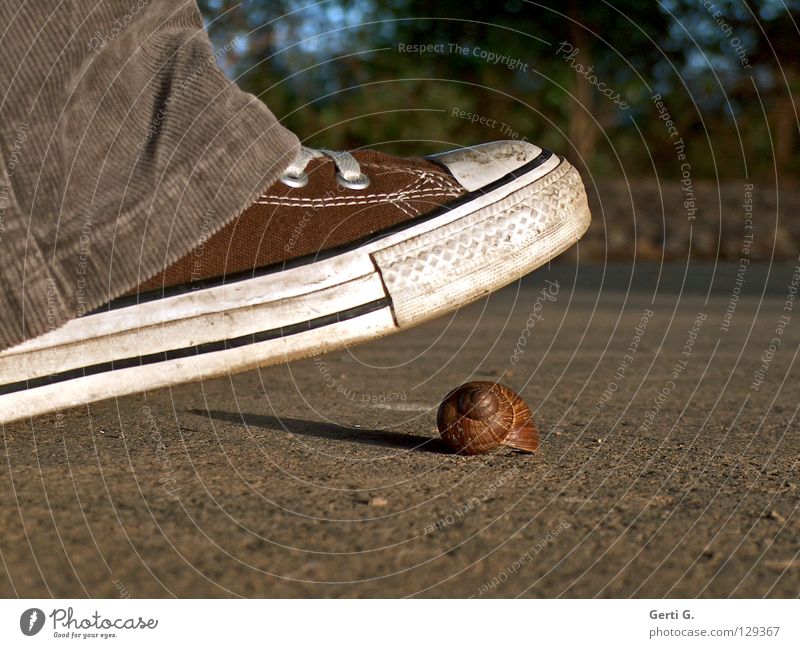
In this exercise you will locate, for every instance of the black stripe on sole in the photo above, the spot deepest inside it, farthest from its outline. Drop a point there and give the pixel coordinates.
(200, 349)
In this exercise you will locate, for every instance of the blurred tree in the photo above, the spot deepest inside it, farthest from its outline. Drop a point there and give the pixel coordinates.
(571, 55)
(743, 70)
(346, 74)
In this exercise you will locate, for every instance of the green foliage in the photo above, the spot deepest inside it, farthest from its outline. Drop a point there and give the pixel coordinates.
(341, 75)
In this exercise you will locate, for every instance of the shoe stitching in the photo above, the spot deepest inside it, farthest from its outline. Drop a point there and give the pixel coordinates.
(372, 199)
(438, 182)
(405, 208)
(440, 179)
(410, 191)
(361, 197)
(443, 189)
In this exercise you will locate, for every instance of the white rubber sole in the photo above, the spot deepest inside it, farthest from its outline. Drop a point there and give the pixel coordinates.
(403, 279)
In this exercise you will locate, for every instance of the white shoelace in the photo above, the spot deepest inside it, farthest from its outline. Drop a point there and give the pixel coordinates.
(348, 171)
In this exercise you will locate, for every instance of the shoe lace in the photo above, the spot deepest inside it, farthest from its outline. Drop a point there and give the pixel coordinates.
(348, 170)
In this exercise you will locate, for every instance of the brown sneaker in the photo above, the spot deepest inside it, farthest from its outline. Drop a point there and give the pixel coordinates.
(344, 249)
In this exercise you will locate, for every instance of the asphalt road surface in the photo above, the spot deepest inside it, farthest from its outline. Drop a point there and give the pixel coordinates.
(669, 465)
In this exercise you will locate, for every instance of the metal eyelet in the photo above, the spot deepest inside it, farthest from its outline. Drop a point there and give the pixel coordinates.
(362, 182)
(294, 181)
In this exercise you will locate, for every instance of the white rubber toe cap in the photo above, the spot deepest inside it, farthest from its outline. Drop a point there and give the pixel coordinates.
(477, 166)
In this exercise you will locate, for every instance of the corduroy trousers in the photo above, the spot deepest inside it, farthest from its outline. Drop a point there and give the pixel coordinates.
(121, 140)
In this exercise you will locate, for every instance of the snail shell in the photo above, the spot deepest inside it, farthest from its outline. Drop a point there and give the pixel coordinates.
(481, 416)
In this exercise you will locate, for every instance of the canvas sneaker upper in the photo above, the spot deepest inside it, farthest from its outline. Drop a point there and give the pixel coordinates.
(325, 200)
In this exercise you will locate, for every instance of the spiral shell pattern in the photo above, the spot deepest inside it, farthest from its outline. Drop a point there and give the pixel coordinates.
(481, 416)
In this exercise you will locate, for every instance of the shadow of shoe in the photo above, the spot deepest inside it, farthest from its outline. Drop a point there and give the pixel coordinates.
(323, 430)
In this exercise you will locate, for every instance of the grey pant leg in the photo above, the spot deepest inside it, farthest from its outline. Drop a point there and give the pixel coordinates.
(123, 145)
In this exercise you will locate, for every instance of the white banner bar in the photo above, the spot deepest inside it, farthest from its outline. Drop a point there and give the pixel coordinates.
(404, 624)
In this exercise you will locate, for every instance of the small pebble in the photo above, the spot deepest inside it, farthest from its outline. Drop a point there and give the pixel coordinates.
(378, 501)
(774, 515)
